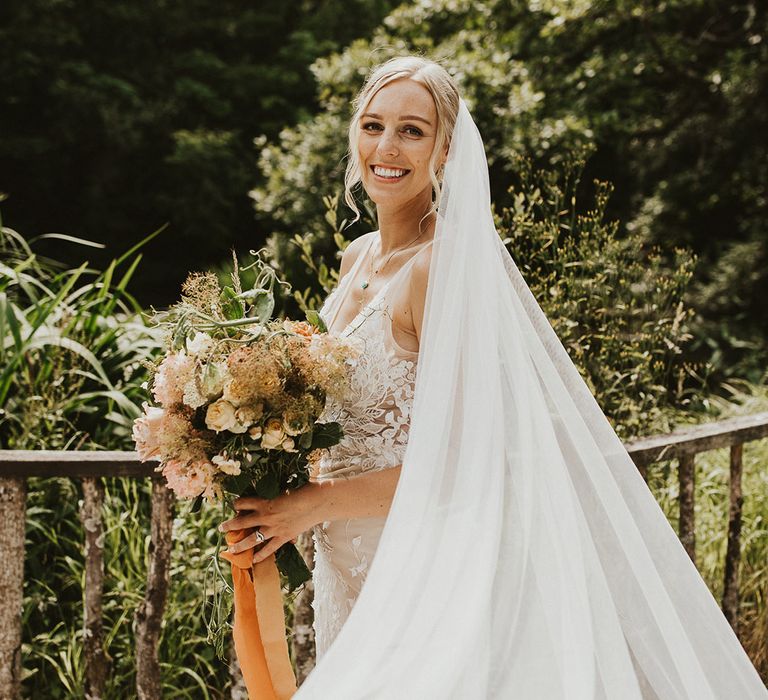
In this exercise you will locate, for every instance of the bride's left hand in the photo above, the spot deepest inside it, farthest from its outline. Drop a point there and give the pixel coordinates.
(280, 520)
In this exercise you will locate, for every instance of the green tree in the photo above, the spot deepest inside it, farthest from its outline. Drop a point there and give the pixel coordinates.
(669, 93)
(118, 117)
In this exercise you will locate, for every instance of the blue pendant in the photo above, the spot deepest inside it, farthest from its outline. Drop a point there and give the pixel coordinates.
(364, 285)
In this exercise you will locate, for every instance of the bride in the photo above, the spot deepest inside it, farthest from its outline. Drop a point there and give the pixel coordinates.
(507, 545)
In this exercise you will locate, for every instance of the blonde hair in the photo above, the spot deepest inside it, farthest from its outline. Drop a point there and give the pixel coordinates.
(441, 86)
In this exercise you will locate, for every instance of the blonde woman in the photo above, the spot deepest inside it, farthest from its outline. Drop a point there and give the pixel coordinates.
(480, 532)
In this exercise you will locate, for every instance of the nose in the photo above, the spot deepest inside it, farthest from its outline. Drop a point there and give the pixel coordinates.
(387, 145)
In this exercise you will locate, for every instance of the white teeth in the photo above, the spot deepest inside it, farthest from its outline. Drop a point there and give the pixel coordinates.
(386, 172)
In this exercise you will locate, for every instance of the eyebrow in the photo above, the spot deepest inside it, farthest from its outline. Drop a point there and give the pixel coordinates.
(403, 118)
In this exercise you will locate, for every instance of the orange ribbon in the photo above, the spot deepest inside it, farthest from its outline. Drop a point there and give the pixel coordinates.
(259, 626)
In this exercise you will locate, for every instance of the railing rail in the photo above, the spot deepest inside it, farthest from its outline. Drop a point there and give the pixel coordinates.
(17, 465)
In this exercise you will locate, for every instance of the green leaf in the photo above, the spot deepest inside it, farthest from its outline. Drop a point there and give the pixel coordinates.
(326, 435)
(263, 305)
(268, 486)
(314, 318)
(305, 440)
(238, 484)
(231, 305)
(292, 565)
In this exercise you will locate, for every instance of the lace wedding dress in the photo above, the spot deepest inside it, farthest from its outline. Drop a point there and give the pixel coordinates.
(375, 416)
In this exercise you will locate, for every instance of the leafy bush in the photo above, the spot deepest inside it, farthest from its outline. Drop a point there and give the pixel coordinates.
(72, 344)
(616, 304)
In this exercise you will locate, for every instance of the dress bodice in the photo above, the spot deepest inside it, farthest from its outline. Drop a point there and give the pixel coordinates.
(375, 412)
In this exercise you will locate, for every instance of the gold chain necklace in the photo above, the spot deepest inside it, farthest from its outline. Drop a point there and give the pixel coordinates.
(365, 283)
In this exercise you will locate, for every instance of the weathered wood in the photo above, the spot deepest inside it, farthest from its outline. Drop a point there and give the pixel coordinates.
(687, 522)
(13, 507)
(149, 614)
(733, 552)
(96, 660)
(75, 464)
(699, 438)
(303, 634)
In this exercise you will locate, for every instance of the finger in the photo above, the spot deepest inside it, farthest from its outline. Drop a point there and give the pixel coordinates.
(241, 522)
(295, 540)
(246, 543)
(270, 547)
(247, 503)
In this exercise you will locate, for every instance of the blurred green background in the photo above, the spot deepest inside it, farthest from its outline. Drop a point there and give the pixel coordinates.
(628, 149)
(227, 121)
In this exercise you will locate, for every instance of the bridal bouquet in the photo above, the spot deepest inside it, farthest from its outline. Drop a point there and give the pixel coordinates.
(236, 400)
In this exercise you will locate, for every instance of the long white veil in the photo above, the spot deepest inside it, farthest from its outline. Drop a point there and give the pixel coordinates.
(523, 555)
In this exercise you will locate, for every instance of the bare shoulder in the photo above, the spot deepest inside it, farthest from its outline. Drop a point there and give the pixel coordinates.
(352, 251)
(418, 282)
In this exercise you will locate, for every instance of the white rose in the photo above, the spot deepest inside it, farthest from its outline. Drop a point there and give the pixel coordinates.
(288, 445)
(227, 465)
(273, 434)
(221, 416)
(255, 432)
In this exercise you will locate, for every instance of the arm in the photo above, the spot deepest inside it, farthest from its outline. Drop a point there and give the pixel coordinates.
(365, 496)
(417, 291)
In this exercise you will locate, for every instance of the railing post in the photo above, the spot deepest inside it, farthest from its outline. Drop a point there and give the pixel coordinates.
(733, 552)
(687, 524)
(302, 633)
(149, 615)
(13, 497)
(96, 659)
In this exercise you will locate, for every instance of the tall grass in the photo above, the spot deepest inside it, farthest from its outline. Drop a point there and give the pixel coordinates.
(711, 513)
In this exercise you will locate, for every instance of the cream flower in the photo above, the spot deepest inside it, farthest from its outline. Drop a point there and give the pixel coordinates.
(221, 416)
(273, 434)
(249, 414)
(288, 445)
(255, 432)
(226, 464)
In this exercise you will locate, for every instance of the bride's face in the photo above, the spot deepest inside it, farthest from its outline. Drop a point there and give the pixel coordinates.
(396, 136)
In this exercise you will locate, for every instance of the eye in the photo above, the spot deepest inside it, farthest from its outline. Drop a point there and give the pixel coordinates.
(365, 126)
(414, 130)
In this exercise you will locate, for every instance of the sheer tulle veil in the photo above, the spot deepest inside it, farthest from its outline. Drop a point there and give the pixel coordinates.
(523, 555)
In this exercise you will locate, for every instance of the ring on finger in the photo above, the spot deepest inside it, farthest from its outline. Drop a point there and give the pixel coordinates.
(259, 536)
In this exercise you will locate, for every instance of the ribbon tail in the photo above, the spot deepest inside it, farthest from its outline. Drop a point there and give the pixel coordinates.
(271, 623)
(259, 629)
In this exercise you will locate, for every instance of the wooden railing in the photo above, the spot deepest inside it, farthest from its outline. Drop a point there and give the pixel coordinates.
(16, 466)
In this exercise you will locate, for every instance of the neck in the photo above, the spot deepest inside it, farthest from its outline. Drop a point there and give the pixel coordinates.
(399, 225)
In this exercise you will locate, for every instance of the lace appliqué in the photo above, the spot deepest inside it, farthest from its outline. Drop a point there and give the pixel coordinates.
(376, 411)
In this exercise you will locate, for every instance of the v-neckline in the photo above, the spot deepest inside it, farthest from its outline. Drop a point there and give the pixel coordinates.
(348, 280)
(351, 274)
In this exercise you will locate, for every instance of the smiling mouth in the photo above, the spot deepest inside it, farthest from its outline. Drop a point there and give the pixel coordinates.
(389, 174)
